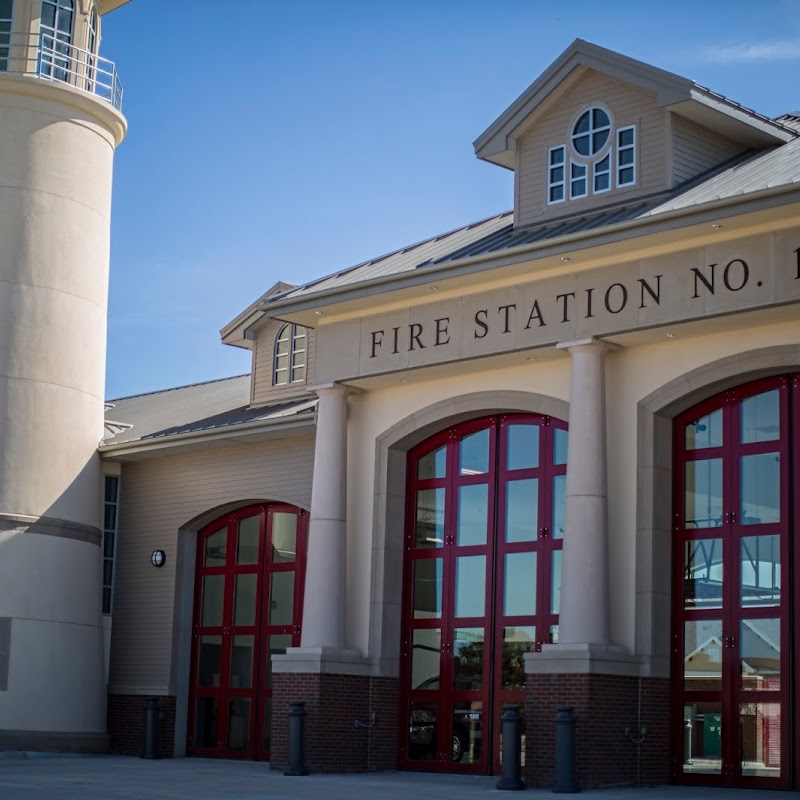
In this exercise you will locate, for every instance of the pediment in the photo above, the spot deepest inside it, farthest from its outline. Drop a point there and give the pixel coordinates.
(680, 95)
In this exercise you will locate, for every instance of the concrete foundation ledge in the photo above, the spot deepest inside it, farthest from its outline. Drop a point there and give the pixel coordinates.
(50, 742)
(323, 661)
(583, 659)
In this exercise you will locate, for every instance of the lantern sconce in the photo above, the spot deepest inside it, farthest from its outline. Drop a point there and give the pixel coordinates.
(157, 558)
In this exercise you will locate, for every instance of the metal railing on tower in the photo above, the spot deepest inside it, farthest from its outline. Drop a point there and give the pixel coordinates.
(45, 56)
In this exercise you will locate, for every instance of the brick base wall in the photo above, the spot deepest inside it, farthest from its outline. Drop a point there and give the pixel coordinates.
(604, 706)
(334, 703)
(126, 719)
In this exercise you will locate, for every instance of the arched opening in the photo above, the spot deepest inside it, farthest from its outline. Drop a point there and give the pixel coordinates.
(484, 527)
(735, 563)
(250, 570)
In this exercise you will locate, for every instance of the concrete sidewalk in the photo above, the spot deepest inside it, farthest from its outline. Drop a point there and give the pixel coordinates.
(121, 778)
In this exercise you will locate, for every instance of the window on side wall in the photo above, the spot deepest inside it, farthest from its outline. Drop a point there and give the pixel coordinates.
(110, 526)
(6, 11)
(290, 355)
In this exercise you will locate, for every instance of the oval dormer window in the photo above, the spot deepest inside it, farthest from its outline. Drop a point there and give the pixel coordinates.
(591, 132)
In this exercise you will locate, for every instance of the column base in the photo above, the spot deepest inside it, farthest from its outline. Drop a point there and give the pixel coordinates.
(351, 713)
(613, 704)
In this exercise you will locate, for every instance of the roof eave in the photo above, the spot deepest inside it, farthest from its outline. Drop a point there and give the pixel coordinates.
(157, 446)
(549, 247)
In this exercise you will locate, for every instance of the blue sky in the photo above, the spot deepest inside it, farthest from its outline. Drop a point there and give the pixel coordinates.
(291, 139)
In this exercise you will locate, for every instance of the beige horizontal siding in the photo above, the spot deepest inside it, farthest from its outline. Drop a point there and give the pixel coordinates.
(263, 390)
(157, 498)
(696, 149)
(629, 106)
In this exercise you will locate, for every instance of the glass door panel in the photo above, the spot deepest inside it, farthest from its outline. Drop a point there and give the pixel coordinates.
(247, 608)
(730, 617)
(482, 580)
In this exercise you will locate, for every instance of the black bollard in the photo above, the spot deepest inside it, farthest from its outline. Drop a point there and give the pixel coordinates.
(511, 754)
(150, 749)
(297, 725)
(566, 783)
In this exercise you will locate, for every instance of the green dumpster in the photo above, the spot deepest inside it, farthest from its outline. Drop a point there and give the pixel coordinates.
(712, 735)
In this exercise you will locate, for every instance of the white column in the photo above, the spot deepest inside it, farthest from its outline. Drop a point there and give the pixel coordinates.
(584, 608)
(324, 601)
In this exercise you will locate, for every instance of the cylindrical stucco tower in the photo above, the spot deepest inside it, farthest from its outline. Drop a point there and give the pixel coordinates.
(59, 126)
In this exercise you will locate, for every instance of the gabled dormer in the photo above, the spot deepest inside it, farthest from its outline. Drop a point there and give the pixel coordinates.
(283, 352)
(599, 128)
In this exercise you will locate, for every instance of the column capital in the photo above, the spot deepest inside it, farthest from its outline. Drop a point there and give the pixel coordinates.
(588, 346)
(334, 389)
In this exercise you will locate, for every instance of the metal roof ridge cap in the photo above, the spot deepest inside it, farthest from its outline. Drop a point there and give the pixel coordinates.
(436, 270)
(248, 428)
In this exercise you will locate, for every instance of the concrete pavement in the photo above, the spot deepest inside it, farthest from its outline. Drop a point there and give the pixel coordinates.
(121, 778)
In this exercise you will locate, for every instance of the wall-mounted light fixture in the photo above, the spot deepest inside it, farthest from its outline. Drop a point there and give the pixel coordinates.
(157, 558)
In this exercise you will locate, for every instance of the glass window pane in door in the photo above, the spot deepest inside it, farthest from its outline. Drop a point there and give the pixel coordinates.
(702, 740)
(761, 570)
(702, 655)
(760, 482)
(467, 733)
(705, 432)
(244, 603)
(242, 662)
(761, 739)
(760, 417)
(239, 723)
(555, 582)
(760, 654)
(247, 537)
(209, 658)
(281, 598)
(426, 650)
(559, 505)
(522, 446)
(216, 549)
(433, 464)
(429, 527)
(212, 600)
(473, 453)
(284, 537)
(468, 653)
(560, 444)
(703, 493)
(427, 593)
(277, 644)
(473, 514)
(519, 589)
(516, 642)
(702, 573)
(470, 588)
(423, 718)
(522, 510)
(205, 721)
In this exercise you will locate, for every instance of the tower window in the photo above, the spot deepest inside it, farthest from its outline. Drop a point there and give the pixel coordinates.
(6, 11)
(290, 355)
(56, 38)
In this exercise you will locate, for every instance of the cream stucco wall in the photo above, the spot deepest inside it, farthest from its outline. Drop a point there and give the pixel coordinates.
(56, 153)
(639, 571)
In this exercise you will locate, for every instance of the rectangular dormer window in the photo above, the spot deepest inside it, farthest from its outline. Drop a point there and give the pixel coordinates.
(602, 174)
(556, 158)
(577, 181)
(626, 156)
